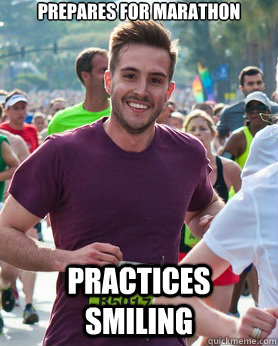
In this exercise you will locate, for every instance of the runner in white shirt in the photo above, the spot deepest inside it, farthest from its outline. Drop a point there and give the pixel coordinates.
(246, 230)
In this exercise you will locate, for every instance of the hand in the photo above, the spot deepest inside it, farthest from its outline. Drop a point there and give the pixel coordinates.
(205, 222)
(97, 253)
(265, 320)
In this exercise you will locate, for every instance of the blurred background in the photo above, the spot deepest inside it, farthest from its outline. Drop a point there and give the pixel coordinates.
(38, 56)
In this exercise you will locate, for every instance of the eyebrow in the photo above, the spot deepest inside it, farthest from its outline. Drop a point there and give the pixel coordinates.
(133, 69)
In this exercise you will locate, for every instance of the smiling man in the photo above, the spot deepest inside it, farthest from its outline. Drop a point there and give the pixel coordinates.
(119, 188)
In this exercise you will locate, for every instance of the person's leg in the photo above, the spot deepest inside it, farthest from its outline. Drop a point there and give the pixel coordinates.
(8, 274)
(220, 300)
(236, 293)
(252, 280)
(28, 279)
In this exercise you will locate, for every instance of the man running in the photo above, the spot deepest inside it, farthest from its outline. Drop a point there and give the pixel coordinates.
(111, 192)
(90, 66)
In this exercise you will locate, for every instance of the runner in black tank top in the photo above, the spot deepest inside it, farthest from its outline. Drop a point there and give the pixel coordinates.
(220, 185)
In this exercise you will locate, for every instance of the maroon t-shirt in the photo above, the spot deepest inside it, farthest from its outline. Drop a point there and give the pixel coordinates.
(96, 192)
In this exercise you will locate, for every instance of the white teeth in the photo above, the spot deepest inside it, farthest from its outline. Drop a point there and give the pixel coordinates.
(137, 105)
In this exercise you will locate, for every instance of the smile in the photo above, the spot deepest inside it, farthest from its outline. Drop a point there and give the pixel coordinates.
(137, 105)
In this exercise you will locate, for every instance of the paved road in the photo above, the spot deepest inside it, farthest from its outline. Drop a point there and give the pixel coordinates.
(18, 334)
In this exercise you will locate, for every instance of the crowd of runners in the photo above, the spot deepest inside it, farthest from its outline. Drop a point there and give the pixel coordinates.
(141, 181)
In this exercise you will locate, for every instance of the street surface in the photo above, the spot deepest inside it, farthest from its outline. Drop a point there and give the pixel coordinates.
(18, 334)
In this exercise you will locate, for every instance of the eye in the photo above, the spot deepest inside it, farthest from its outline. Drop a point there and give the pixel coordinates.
(129, 76)
(156, 81)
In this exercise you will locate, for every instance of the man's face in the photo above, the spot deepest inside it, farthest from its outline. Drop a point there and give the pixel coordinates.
(139, 86)
(253, 110)
(99, 65)
(252, 83)
(17, 113)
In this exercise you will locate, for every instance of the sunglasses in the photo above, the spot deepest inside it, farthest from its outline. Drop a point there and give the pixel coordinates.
(258, 108)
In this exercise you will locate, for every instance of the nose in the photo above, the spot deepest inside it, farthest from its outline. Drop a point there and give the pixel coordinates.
(197, 133)
(141, 87)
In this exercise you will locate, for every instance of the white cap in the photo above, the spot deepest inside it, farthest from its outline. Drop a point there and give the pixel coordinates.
(263, 150)
(2, 98)
(14, 99)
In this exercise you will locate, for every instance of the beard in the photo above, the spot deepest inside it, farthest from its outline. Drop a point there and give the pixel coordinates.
(129, 125)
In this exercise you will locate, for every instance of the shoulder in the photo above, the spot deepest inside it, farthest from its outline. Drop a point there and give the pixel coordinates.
(267, 176)
(67, 111)
(178, 137)
(238, 133)
(30, 127)
(5, 125)
(274, 106)
(230, 166)
(236, 107)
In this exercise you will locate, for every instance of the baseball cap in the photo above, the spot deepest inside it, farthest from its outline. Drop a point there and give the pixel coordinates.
(258, 96)
(263, 150)
(14, 99)
(2, 98)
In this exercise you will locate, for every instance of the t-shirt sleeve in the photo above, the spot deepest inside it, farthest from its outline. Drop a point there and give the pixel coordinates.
(37, 183)
(232, 234)
(203, 192)
(4, 138)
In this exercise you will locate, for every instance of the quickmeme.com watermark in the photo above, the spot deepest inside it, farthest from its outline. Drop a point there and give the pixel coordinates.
(227, 341)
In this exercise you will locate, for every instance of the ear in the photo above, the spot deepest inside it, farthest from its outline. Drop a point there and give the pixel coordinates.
(108, 81)
(241, 88)
(171, 88)
(84, 76)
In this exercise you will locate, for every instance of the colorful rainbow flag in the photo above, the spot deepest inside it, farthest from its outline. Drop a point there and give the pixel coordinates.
(206, 81)
(197, 88)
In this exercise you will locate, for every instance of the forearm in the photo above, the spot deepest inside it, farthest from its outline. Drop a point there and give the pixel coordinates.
(24, 252)
(7, 174)
(212, 209)
(208, 322)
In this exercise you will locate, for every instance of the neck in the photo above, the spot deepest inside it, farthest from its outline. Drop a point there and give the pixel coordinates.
(211, 157)
(95, 101)
(14, 126)
(128, 141)
(254, 128)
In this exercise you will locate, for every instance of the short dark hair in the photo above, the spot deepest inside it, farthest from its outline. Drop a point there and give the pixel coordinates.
(14, 92)
(249, 71)
(142, 32)
(84, 59)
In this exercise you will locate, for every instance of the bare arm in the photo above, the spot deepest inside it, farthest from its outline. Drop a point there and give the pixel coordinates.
(232, 173)
(199, 221)
(213, 323)
(10, 159)
(235, 145)
(21, 147)
(18, 249)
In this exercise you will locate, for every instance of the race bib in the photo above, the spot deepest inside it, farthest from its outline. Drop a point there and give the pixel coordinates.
(132, 300)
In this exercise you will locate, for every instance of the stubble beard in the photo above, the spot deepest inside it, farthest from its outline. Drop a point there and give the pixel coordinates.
(128, 126)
